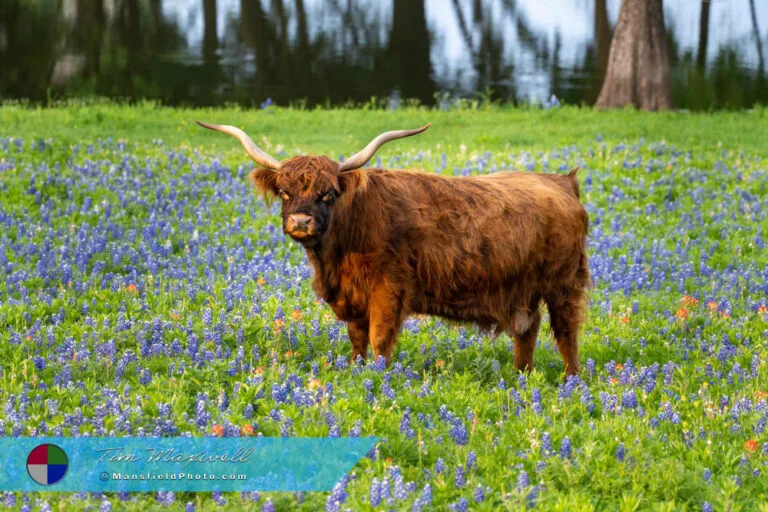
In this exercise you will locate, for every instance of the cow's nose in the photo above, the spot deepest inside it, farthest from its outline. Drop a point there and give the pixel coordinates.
(299, 223)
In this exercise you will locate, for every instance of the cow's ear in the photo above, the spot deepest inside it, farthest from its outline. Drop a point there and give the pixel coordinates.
(265, 180)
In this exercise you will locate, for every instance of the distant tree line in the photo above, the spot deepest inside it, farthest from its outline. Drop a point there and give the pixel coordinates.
(278, 49)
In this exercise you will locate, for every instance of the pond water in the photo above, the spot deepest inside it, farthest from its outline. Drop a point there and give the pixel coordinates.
(212, 52)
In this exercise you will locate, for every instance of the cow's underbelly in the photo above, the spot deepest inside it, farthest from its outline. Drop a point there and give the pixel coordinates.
(459, 313)
(505, 306)
(472, 306)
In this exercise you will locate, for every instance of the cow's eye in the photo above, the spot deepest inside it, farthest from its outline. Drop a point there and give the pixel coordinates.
(285, 195)
(327, 197)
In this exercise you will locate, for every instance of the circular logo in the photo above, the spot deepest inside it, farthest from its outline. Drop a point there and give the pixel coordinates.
(47, 464)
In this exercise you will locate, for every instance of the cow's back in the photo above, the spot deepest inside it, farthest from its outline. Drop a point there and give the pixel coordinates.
(471, 244)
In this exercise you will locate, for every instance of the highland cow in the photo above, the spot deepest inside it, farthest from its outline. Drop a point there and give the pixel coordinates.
(386, 244)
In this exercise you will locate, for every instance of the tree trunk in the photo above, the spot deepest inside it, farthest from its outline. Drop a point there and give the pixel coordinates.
(638, 66)
(89, 34)
(701, 56)
(283, 45)
(463, 28)
(758, 41)
(350, 24)
(409, 50)
(130, 31)
(302, 57)
(257, 34)
(602, 39)
(156, 8)
(301, 28)
(210, 36)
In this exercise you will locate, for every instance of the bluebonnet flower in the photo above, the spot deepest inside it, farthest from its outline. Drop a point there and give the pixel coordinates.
(532, 496)
(590, 367)
(9, 499)
(400, 491)
(536, 401)
(609, 401)
(565, 390)
(522, 481)
(405, 424)
(386, 388)
(629, 399)
(342, 363)
(374, 494)
(586, 399)
(39, 363)
(460, 506)
(166, 498)
(546, 444)
(458, 432)
(286, 428)
(426, 494)
(479, 494)
(459, 477)
(337, 497)
(565, 448)
(471, 460)
(380, 365)
(385, 490)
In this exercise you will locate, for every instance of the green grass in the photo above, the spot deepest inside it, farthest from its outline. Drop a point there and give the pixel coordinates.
(128, 250)
(493, 128)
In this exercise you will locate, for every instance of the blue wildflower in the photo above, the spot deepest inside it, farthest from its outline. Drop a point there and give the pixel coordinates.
(565, 448)
(459, 477)
(522, 481)
(479, 494)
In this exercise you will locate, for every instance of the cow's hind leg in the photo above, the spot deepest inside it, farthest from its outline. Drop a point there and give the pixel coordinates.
(566, 313)
(358, 335)
(525, 332)
(385, 312)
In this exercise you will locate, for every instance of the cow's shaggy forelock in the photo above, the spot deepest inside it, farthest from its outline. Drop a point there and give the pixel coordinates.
(308, 175)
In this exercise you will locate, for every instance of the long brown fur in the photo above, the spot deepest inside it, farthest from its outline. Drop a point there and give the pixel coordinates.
(483, 249)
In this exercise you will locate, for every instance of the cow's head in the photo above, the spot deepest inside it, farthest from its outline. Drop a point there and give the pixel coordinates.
(308, 186)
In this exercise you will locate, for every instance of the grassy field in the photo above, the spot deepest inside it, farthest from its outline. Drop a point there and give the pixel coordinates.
(148, 291)
(331, 131)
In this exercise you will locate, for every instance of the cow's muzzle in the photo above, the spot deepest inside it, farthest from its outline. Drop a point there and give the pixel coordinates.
(300, 226)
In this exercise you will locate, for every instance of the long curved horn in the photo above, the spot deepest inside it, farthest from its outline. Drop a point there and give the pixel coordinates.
(257, 155)
(358, 160)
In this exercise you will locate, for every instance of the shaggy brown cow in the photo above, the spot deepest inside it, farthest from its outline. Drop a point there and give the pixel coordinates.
(386, 244)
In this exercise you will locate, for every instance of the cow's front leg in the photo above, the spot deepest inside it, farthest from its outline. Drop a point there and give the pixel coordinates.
(385, 312)
(358, 335)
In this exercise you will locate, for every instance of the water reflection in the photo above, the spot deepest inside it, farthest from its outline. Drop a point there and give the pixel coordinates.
(210, 52)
